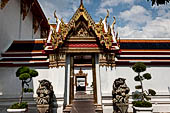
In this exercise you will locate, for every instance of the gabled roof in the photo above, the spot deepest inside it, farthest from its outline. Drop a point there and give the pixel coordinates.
(58, 36)
(81, 11)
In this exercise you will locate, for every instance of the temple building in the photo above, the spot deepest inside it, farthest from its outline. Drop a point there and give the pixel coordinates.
(81, 55)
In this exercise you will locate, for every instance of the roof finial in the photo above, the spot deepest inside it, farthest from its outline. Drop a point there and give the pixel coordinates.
(81, 2)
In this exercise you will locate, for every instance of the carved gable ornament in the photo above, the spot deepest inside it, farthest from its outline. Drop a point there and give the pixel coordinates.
(80, 73)
(82, 33)
(25, 8)
(3, 3)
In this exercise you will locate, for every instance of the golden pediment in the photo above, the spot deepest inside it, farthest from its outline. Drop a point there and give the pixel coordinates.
(80, 73)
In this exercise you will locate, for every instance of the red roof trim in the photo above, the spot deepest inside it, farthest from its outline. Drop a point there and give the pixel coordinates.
(83, 45)
(144, 41)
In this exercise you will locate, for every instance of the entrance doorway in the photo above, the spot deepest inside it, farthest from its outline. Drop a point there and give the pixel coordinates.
(80, 84)
(80, 81)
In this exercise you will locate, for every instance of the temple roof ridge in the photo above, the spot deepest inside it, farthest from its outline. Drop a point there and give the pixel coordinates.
(81, 11)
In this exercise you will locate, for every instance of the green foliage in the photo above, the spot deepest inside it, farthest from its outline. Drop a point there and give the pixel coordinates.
(144, 95)
(24, 76)
(139, 67)
(19, 105)
(22, 70)
(141, 104)
(138, 87)
(28, 90)
(137, 78)
(33, 73)
(152, 92)
(136, 95)
(147, 76)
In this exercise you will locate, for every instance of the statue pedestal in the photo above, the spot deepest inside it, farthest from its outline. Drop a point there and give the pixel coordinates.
(123, 107)
(44, 108)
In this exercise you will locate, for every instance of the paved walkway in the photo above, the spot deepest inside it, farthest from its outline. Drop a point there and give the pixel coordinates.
(83, 103)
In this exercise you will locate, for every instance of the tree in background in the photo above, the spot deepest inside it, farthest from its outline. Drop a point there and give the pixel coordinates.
(159, 2)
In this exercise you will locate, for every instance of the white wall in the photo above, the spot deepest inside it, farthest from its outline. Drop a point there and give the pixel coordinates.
(55, 75)
(27, 26)
(10, 85)
(108, 75)
(159, 82)
(13, 27)
(10, 24)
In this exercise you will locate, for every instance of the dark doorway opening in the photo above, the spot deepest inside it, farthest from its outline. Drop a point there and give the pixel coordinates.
(80, 83)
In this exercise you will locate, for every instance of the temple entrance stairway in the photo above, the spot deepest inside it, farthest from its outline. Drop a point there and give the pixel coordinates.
(83, 103)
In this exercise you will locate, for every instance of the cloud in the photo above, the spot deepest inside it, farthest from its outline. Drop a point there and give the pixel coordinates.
(158, 27)
(134, 22)
(103, 11)
(110, 3)
(64, 8)
(136, 15)
(88, 1)
(141, 24)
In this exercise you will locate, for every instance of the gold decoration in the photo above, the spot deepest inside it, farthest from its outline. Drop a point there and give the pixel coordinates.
(36, 24)
(80, 73)
(105, 38)
(81, 11)
(107, 59)
(55, 16)
(107, 16)
(59, 37)
(82, 32)
(3, 3)
(57, 60)
(44, 33)
(114, 22)
(25, 7)
(99, 27)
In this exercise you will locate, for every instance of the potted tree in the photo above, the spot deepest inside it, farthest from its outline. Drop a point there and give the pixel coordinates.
(142, 104)
(24, 74)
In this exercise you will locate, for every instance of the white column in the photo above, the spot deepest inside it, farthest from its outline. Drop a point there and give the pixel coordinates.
(98, 81)
(67, 80)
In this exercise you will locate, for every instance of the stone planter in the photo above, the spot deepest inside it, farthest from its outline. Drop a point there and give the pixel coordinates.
(16, 110)
(142, 109)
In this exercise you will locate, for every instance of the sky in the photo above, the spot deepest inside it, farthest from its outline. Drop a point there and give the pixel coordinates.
(134, 18)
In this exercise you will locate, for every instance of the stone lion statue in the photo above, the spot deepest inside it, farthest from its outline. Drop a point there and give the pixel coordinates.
(120, 94)
(44, 92)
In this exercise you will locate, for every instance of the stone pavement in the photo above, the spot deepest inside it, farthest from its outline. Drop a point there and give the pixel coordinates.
(83, 103)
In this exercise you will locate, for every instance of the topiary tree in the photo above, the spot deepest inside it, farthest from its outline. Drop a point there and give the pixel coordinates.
(138, 68)
(25, 74)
